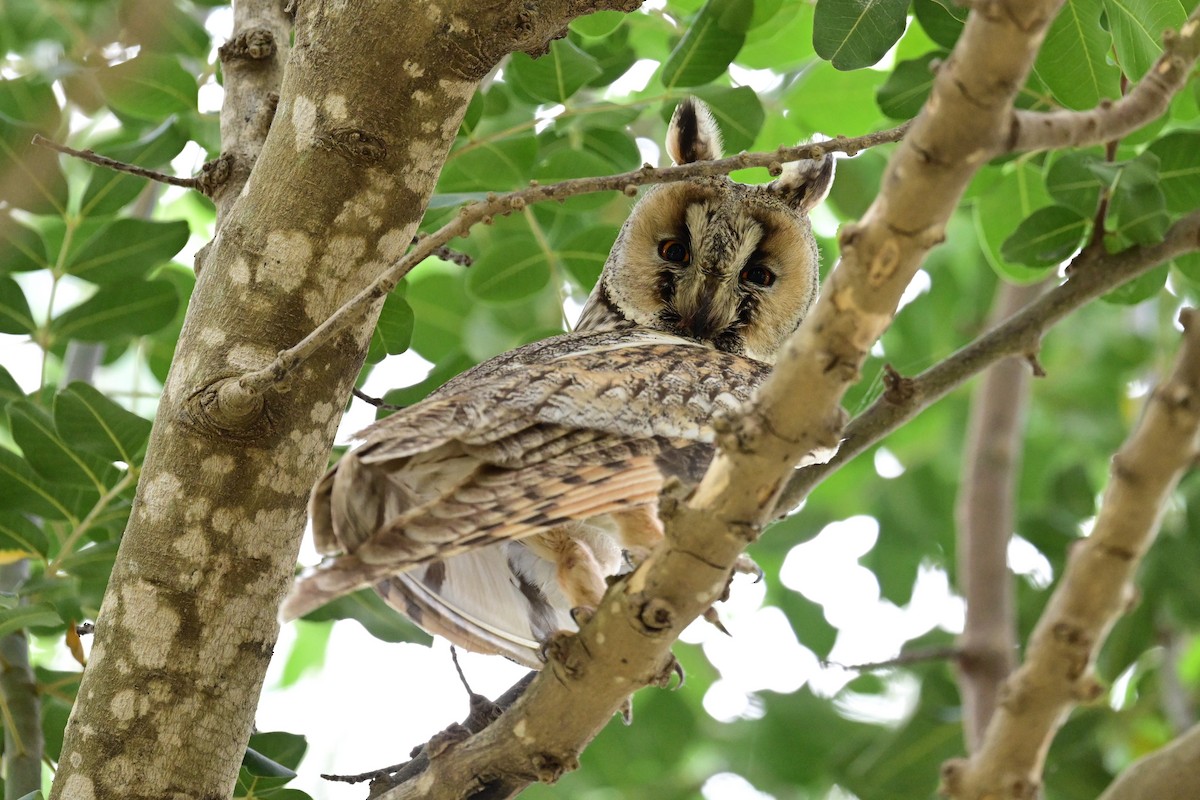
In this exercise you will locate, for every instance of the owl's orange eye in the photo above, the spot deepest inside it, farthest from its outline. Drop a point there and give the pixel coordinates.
(674, 251)
(758, 275)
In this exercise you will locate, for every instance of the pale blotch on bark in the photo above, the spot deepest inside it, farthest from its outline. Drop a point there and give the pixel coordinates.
(249, 356)
(369, 205)
(335, 106)
(158, 495)
(152, 625)
(79, 787)
(304, 121)
(421, 97)
(213, 337)
(287, 252)
(192, 545)
(218, 464)
(311, 444)
(413, 69)
(392, 244)
(127, 704)
(239, 273)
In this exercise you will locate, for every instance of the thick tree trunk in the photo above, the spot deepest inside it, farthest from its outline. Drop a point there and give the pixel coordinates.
(372, 98)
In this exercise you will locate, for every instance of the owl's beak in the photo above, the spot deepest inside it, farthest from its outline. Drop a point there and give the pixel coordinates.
(701, 323)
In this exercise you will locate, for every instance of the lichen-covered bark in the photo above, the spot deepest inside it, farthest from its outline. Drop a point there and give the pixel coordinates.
(372, 97)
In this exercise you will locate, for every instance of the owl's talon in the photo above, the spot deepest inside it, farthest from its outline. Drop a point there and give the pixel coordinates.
(446, 739)
(745, 566)
(663, 679)
(710, 616)
(581, 614)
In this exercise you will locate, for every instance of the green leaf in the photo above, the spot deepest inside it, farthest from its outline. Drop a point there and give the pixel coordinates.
(1072, 183)
(598, 23)
(39, 615)
(556, 76)
(1073, 59)
(31, 175)
(93, 423)
(126, 249)
(30, 100)
(1001, 208)
(487, 166)
(22, 490)
(108, 191)
(1046, 238)
(368, 609)
(33, 431)
(738, 111)
(1140, 288)
(307, 653)
(15, 315)
(440, 304)
(512, 267)
(943, 23)
(149, 87)
(712, 41)
(119, 310)
(584, 252)
(1138, 204)
(163, 26)
(282, 748)
(906, 89)
(830, 101)
(853, 34)
(393, 332)
(20, 536)
(22, 248)
(1137, 27)
(10, 390)
(1179, 169)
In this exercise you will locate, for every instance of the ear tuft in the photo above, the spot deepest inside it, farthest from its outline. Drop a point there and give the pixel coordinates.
(693, 134)
(805, 183)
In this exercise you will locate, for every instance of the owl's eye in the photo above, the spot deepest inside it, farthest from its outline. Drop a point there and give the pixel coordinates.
(758, 275)
(674, 251)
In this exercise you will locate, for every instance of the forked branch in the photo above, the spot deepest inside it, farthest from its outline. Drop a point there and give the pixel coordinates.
(1094, 591)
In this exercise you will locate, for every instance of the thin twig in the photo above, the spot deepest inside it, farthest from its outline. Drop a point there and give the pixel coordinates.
(922, 656)
(237, 393)
(111, 163)
(376, 401)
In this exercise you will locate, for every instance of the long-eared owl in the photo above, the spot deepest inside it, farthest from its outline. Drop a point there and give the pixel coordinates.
(491, 509)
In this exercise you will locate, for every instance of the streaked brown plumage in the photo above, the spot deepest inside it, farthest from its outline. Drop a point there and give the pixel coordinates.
(502, 501)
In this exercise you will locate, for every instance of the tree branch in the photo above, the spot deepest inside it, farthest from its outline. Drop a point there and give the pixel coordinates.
(1093, 274)
(244, 392)
(1095, 589)
(1034, 130)
(627, 642)
(92, 157)
(984, 516)
(252, 63)
(1169, 773)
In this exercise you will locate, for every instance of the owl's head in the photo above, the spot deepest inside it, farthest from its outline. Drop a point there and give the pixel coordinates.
(725, 263)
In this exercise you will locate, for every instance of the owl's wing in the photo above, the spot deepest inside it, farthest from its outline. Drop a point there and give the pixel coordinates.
(493, 504)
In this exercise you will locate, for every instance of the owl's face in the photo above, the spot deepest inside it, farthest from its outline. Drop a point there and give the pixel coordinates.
(728, 264)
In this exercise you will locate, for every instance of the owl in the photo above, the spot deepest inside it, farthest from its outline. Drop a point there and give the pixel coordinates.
(491, 510)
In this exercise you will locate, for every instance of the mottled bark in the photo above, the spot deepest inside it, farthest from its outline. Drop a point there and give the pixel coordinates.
(372, 97)
(1170, 773)
(22, 707)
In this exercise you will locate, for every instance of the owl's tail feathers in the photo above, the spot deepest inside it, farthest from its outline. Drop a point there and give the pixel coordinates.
(328, 582)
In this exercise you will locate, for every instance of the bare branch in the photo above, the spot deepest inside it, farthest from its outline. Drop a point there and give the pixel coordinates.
(984, 516)
(1094, 275)
(1096, 588)
(906, 659)
(1034, 130)
(92, 157)
(244, 392)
